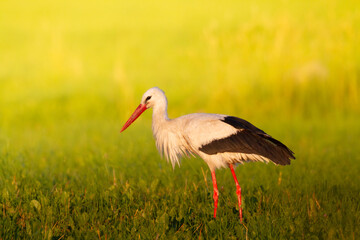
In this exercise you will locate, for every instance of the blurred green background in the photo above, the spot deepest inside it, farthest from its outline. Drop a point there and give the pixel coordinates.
(72, 72)
(66, 60)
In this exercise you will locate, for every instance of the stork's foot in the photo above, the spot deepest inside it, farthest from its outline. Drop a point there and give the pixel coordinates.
(216, 192)
(238, 191)
(216, 197)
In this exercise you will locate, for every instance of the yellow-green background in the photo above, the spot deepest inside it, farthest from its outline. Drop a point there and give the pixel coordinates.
(69, 57)
(71, 72)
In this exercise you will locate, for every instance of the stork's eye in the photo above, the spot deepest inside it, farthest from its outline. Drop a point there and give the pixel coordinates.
(148, 98)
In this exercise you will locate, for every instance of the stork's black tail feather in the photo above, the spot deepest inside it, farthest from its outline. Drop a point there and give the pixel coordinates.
(271, 148)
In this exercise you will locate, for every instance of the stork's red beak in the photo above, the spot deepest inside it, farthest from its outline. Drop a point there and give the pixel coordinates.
(138, 111)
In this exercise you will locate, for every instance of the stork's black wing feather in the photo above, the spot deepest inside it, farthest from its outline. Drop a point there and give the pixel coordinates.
(241, 124)
(249, 140)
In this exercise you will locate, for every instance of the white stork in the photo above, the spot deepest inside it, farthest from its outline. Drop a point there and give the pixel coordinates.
(220, 140)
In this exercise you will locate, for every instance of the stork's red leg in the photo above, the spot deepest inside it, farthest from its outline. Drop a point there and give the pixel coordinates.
(238, 190)
(216, 192)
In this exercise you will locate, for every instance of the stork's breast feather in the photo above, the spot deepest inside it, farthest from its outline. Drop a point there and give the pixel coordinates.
(171, 143)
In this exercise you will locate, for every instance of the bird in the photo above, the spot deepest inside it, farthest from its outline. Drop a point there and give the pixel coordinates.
(220, 140)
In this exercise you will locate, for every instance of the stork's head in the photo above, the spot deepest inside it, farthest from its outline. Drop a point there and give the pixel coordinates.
(151, 98)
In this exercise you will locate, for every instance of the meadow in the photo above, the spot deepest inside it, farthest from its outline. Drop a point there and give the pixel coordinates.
(72, 72)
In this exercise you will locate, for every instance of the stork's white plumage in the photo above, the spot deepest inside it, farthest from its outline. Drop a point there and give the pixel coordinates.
(220, 140)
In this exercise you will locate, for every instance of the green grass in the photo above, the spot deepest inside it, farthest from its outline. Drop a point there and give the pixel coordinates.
(122, 188)
(73, 71)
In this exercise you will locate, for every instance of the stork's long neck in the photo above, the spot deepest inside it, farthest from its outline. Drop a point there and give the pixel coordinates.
(166, 141)
(160, 116)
